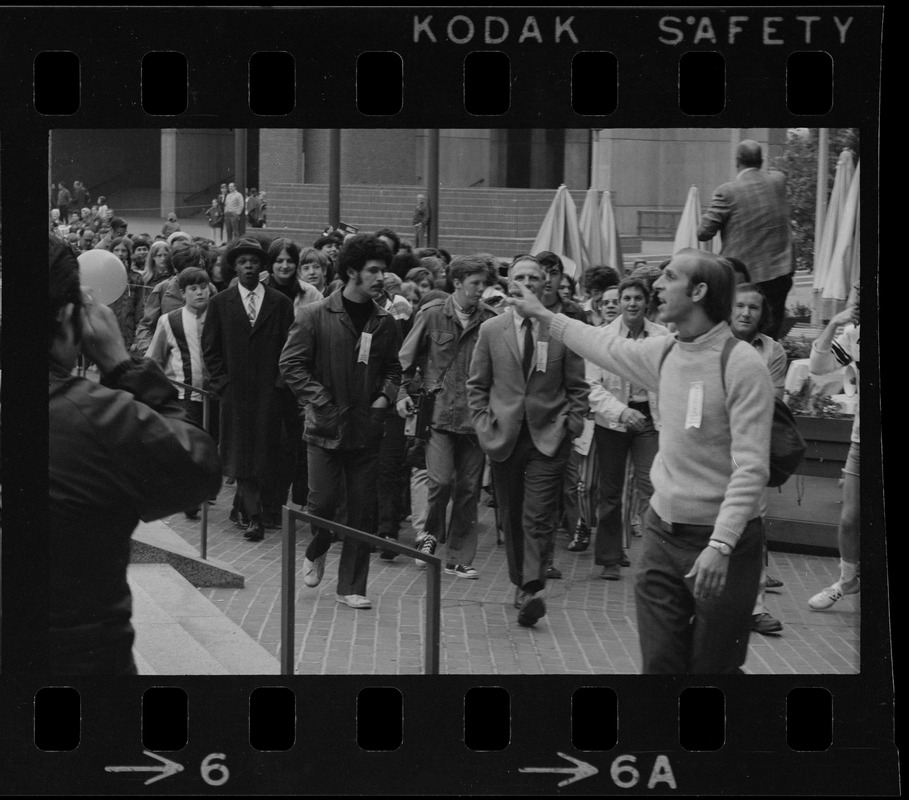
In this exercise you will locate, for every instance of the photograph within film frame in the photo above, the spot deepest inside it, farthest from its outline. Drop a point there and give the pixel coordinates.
(539, 136)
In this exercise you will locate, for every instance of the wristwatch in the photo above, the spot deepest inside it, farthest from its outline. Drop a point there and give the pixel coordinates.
(724, 548)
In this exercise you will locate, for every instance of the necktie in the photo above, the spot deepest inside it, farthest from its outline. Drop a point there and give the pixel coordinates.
(528, 347)
(251, 308)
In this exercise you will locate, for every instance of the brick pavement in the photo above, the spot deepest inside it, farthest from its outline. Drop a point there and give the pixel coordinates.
(589, 627)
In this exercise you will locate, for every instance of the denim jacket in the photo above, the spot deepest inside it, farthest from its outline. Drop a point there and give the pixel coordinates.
(435, 341)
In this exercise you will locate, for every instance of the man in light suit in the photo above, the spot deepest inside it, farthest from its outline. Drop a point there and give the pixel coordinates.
(751, 213)
(528, 397)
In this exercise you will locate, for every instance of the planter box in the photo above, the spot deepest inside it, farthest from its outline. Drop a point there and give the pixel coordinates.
(803, 515)
(828, 440)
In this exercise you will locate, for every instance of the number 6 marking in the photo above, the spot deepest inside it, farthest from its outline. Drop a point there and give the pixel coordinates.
(209, 766)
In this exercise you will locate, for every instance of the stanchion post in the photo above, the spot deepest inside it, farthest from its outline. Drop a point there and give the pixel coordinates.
(204, 543)
(433, 618)
(288, 590)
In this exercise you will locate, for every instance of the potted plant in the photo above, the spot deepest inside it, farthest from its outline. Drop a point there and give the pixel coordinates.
(826, 428)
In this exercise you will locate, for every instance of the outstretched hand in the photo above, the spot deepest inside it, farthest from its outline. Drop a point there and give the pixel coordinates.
(526, 303)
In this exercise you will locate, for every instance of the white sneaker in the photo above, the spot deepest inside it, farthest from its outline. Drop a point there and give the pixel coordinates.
(314, 570)
(354, 600)
(827, 597)
(426, 544)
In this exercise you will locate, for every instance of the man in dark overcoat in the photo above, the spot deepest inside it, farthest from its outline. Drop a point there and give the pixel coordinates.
(244, 334)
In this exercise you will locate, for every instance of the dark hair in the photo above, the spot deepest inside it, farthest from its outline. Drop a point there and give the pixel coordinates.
(599, 279)
(141, 240)
(739, 268)
(766, 320)
(193, 276)
(357, 251)
(418, 274)
(464, 266)
(717, 274)
(396, 240)
(403, 263)
(548, 260)
(445, 255)
(117, 222)
(63, 278)
(572, 284)
(124, 240)
(324, 240)
(635, 282)
(275, 248)
(186, 253)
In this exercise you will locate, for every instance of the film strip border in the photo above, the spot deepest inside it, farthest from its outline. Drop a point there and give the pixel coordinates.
(329, 752)
(488, 735)
(529, 67)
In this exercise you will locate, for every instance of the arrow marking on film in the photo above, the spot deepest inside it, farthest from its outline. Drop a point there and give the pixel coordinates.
(578, 772)
(166, 769)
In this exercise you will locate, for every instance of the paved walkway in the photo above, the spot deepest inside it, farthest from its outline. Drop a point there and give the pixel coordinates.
(589, 627)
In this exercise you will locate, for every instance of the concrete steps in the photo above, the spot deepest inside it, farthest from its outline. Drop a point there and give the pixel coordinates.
(179, 632)
(156, 543)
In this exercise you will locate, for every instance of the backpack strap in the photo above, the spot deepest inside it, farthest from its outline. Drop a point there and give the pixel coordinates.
(666, 353)
(724, 358)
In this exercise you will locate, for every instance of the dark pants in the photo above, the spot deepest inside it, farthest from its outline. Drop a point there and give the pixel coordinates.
(454, 468)
(680, 635)
(355, 471)
(776, 291)
(392, 476)
(612, 451)
(527, 485)
(250, 491)
(290, 456)
(232, 225)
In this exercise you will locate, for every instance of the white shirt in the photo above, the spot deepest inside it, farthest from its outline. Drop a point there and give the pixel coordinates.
(258, 293)
(519, 330)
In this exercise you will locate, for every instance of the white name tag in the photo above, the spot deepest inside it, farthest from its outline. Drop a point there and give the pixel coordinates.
(365, 347)
(695, 404)
(542, 356)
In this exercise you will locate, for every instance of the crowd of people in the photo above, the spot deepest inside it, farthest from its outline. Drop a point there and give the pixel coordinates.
(597, 408)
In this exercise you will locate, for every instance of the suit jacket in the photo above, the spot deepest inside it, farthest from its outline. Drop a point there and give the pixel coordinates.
(242, 362)
(751, 214)
(500, 397)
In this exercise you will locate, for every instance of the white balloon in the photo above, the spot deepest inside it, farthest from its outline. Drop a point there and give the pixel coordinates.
(103, 272)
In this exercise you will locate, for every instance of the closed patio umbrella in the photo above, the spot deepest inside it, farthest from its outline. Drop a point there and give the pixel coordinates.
(591, 233)
(823, 258)
(842, 270)
(612, 256)
(561, 234)
(686, 234)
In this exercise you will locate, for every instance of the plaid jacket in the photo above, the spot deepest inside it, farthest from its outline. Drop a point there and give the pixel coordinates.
(751, 213)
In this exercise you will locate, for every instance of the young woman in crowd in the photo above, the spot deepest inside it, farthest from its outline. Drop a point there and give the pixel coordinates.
(283, 265)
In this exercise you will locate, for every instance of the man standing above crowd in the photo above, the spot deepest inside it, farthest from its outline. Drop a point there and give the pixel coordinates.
(341, 361)
(703, 535)
(528, 398)
(441, 344)
(244, 333)
(751, 214)
(233, 210)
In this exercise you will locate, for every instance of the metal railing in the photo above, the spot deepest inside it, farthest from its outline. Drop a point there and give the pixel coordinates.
(206, 420)
(289, 519)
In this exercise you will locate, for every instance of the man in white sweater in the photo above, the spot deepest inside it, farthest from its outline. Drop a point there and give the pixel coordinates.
(703, 537)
